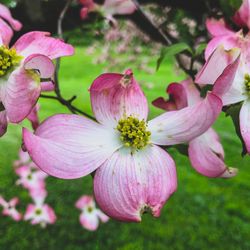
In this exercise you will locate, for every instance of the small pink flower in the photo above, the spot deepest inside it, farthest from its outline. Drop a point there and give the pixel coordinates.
(9, 208)
(31, 178)
(109, 8)
(39, 212)
(90, 215)
(133, 173)
(205, 152)
(6, 30)
(25, 64)
(118, 7)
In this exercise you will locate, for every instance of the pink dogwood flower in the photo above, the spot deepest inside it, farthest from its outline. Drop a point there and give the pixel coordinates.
(205, 152)
(133, 173)
(88, 6)
(90, 215)
(242, 16)
(223, 35)
(9, 208)
(231, 83)
(21, 69)
(109, 8)
(39, 212)
(117, 7)
(5, 29)
(31, 178)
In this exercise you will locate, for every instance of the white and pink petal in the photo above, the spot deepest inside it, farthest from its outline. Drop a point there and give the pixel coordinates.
(41, 43)
(245, 124)
(70, 146)
(216, 64)
(206, 155)
(127, 185)
(114, 96)
(176, 127)
(5, 13)
(20, 93)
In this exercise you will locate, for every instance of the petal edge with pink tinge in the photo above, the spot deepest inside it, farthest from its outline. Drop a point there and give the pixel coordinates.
(115, 95)
(206, 155)
(20, 94)
(41, 43)
(127, 185)
(215, 65)
(70, 146)
(245, 124)
(176, 127)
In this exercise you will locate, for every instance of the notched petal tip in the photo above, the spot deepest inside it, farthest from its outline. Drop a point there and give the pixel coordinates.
(229, 173)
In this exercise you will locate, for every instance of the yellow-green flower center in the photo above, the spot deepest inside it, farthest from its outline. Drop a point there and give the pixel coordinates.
(38, 211)
(8, 59)
(134, 132)
(247, 83)
(90, 209)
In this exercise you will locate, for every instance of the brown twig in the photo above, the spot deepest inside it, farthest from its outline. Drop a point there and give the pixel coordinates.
(59, 97)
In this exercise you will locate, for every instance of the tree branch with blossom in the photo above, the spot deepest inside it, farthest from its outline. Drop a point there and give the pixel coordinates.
(66, 102)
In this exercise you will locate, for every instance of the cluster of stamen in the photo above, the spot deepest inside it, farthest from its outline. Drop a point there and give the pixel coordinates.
(134, 132)
(38, 211)
(247, 82)
(90, 209)
(8, 59)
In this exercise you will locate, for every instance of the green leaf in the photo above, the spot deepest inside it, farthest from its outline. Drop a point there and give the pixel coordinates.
(234, 112)
(200, 48)
(172, 50)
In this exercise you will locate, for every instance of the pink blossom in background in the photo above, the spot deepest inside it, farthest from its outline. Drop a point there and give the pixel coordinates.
(39, 212)
(133, 173)
(205, 152)
(9, 208)
(223, 34)
(88, 6)
(27, 62)
(242, 16)
(117, 7)
(231, 80)
(108, 9)
(30, 178)
(90, 215)
(6, 27)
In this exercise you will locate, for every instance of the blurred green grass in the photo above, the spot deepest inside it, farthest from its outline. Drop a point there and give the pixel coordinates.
(203, 213)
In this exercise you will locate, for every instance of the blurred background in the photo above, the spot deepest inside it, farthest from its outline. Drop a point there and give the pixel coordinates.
(204, 213)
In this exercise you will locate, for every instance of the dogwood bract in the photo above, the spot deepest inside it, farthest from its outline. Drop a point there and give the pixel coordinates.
(223, 34)
(9, 208)
(205, 152)
(232, 85)
(90, 215)
(6, 30)
(133, 173)
(21, 69)
(30, 178)
(39, 212)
